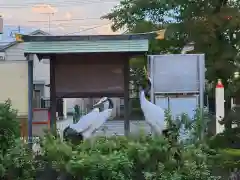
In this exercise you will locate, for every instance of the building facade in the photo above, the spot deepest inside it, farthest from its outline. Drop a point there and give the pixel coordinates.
(14, 51)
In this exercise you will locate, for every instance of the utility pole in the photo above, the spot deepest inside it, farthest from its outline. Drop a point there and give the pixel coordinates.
(13, 32)
(49, 23)
(1, 27)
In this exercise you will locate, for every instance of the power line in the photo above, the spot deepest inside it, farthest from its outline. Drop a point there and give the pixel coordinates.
(77, 25)
(64, 20)
(72, 26)
(53, 2)
(57, 5)
(87, 29)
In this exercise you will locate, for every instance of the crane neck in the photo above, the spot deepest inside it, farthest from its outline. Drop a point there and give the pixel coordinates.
(148, 87)
(110, 103)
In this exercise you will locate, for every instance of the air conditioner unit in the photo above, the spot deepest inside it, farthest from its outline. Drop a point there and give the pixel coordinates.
(2, 56)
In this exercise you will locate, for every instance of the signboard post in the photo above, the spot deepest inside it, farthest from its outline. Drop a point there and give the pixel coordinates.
(1, 24)
(219, 106)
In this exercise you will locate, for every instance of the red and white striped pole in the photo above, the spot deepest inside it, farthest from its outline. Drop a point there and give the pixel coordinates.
(220, 110)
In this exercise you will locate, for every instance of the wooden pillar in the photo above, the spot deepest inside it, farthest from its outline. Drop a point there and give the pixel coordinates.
(126, 97)
(30, 97)
(53, 103)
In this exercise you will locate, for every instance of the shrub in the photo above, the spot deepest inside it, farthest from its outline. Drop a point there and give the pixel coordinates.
(18, 163)
(230, 138)
(15, 159)
(227, 146)
(132, 158)
(141, 157)
(9, 126)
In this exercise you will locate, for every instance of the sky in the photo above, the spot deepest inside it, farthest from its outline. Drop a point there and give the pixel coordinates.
(69, 16)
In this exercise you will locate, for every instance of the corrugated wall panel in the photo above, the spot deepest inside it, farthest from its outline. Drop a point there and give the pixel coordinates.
(14, 84)
(87, 46)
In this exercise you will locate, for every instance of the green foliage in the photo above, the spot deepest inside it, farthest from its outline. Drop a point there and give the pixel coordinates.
(137, 157)
(15, 159)
(142, 157)
(231, 118)
(18, 163)
(9, 126)
(228, 139)
(120, 158)
(227, 146)
(212, 25)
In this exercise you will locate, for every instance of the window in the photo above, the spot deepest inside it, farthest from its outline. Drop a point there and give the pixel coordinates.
(122, 102)
(37, 99)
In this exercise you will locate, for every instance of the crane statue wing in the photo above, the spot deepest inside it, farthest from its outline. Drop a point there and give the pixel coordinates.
(101, 118)
(85, 121)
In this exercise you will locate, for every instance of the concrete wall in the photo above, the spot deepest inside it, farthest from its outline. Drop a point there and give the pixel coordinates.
(41, 71)
(14, 84)
(84, 103)
(41, 74)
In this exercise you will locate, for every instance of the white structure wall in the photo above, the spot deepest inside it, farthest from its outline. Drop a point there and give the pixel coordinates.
(41, 74)
(14, 85)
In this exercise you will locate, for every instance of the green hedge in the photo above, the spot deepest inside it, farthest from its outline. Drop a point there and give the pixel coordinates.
(132, 158)
(141, 157)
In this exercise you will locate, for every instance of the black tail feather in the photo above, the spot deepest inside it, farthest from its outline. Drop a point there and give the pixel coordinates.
(70, 134)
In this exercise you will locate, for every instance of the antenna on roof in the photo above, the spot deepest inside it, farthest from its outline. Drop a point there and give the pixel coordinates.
(13, 32)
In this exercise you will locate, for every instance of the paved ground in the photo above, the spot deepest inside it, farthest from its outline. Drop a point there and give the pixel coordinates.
(111, 127)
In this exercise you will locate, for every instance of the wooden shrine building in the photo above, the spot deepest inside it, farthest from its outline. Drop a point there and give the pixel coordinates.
(85, 66)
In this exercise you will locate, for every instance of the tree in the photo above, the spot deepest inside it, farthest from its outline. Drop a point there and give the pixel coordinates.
(213, 26)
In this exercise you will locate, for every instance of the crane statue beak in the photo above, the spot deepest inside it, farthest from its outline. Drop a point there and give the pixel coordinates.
(150, 80)
(104, 99)
(97, 104)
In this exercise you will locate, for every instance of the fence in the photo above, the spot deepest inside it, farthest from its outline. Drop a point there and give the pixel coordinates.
(45, 103)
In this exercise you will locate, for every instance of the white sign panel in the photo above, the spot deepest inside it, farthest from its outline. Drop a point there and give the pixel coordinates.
(177, 73)
(181, 105)
(178, 105)
(162, 102)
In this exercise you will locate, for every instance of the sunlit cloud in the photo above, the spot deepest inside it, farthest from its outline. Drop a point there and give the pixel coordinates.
(44, 9)
(6, 16)
(68, 15)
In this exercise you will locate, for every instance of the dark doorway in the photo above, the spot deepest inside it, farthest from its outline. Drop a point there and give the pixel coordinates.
(60, 107)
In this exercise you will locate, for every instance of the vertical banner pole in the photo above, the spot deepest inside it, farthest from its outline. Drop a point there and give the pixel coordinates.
(220, 110)
(30, 97)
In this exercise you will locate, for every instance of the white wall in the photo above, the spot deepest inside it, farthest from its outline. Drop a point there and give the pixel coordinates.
(14, 84)
(41, 71)
(15, 53)
(70, 104)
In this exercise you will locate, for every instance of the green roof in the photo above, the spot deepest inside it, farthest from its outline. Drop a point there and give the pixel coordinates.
(86, 44)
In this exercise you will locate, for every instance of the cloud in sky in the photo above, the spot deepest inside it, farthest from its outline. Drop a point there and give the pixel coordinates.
(19, 12)
(68, 15)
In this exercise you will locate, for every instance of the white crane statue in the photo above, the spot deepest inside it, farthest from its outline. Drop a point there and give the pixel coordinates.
(154, 115)
(91, 122)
